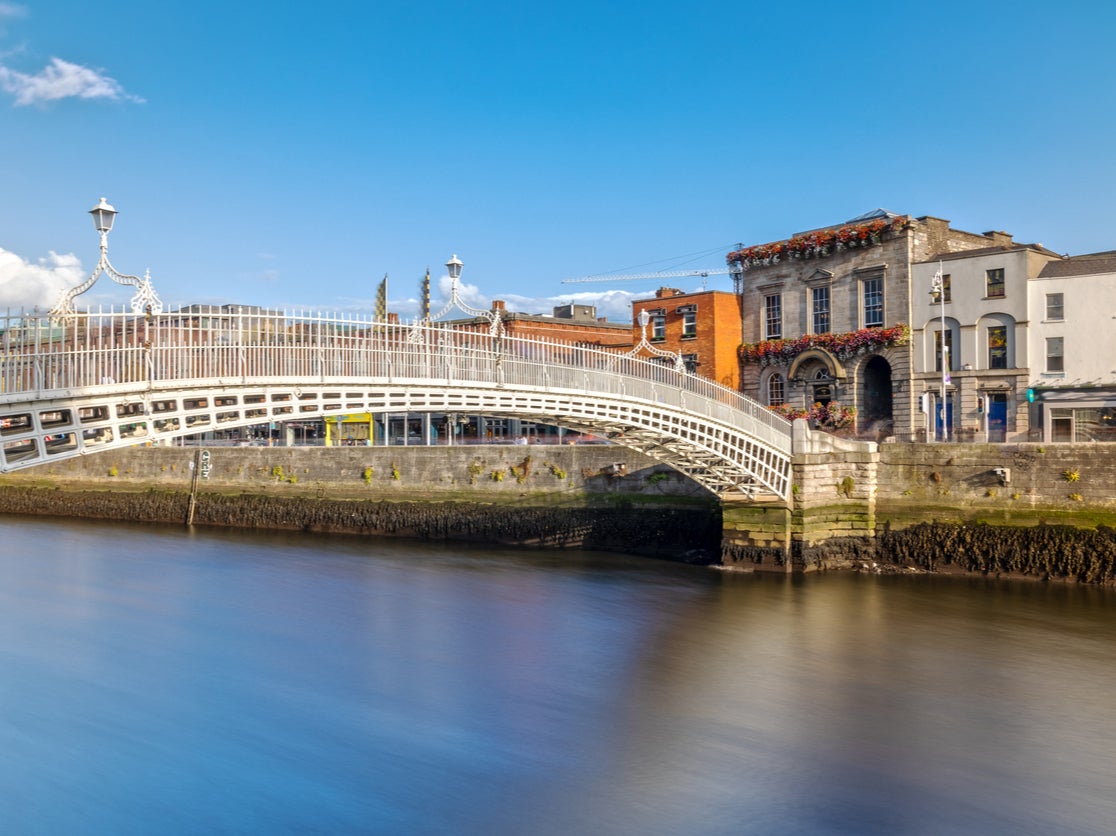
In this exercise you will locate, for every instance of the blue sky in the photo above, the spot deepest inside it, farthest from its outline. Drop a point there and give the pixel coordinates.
(291, 155)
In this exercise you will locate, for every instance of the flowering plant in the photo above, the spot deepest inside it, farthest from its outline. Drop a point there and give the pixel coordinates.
(830, 416)
(819, 243)
(842, 345)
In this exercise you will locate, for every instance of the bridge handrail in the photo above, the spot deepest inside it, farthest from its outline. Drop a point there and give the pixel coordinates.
(107, 348)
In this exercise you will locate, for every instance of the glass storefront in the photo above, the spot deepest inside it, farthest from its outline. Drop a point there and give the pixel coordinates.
(1081, 424)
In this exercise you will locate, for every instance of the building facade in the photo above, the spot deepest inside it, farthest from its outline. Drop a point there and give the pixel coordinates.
(703, 327)
(1072, 350)
(826, 317)
(971, 347)
(568, 323)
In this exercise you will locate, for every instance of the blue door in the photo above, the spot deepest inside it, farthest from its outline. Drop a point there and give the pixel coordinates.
(997, 418)
(938, 418)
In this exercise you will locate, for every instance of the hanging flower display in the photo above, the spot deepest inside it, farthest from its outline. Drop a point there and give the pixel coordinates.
(820, 243)
(843, 346)
(824, 416)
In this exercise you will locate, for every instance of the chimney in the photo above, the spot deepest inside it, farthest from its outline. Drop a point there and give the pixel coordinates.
(498, 305)
(999, 239)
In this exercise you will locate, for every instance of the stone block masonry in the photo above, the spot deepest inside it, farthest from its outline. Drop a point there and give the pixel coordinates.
(852, 503)
(589, 497)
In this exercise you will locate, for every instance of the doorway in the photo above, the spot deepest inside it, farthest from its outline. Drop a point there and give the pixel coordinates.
(877, 415)
(997, 417)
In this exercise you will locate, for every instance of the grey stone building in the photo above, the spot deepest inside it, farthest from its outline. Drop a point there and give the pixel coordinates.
(826, 318)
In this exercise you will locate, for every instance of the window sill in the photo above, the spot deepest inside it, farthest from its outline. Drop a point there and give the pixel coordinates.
(689, 336)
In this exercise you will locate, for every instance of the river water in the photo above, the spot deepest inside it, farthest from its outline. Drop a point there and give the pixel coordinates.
(161, 681)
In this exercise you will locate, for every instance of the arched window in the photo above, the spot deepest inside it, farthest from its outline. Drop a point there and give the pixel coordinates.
(998, 332)
(823, 386)
(776, 395)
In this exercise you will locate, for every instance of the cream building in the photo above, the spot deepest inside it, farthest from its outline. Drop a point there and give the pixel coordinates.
(1072, 346)
(986, 305)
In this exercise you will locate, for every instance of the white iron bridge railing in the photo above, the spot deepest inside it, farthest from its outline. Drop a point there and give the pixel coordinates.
(81, 383)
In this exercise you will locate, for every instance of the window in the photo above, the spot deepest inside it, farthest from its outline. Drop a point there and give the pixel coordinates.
(1055, 307)
(1055, 356)
(689, 324)
(951, 363)
(994, 283)
(819, 304)
(773, 317)
(1082, 424)
(775, 392)
(872, 290)
(997, 347)
(658, 327)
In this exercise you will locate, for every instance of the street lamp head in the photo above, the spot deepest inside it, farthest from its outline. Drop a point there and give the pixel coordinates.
(454, 267)
(103, 215)
(644, 318)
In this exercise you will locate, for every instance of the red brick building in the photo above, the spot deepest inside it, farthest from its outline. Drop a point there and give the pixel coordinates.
(703, 326)
(569, 323)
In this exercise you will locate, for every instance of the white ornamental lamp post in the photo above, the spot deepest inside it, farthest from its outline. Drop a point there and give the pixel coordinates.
(937, 288)
(453, 268)
(644, 319)
(145, 300)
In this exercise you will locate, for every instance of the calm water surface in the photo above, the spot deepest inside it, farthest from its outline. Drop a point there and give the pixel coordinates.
(160, 681)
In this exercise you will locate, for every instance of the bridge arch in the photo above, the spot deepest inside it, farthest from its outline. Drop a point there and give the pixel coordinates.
(118, 380)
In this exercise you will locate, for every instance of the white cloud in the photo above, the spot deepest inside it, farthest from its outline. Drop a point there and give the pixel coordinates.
(12, 10)
(26, 285)
(470, 294)
(614, 305)
(62, 80)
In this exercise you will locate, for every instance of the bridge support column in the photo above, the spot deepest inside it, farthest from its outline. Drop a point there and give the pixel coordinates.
(756, 535)
(831, 517)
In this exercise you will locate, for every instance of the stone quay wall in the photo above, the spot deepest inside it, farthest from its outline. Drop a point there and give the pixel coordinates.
(575, 496)
(1007, 509)
(1024, 509)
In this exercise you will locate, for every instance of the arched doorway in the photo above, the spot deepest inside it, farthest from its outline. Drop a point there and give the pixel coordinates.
(877, 417)
(819, 375)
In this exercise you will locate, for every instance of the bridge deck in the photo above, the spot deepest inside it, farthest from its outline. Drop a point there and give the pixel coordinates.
(103, 380)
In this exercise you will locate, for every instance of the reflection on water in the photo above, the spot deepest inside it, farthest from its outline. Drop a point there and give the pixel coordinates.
(156, 680)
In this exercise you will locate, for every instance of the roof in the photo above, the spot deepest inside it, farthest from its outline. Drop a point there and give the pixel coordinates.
(1080, 265)
(995, 250)
(871, 216)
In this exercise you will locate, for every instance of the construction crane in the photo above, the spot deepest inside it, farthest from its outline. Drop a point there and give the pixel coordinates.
(669, 274)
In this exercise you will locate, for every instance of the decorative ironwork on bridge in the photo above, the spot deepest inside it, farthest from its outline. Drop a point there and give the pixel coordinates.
(145, 299)
(99, 379)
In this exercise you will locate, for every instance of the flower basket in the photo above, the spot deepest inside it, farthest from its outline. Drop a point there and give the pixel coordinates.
(843, 346)
(818, 244)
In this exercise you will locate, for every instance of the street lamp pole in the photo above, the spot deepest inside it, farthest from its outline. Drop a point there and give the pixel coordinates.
(938, 287)
(145, 300)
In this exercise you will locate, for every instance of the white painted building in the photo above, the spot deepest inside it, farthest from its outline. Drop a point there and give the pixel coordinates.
(1072, 344)
(987, 309)
(1030, 344)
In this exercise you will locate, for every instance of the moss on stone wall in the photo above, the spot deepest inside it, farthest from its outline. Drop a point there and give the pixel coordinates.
(686, 534)
(1047, 552)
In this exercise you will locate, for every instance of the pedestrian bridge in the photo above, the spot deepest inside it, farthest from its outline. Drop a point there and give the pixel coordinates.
(95, 381)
